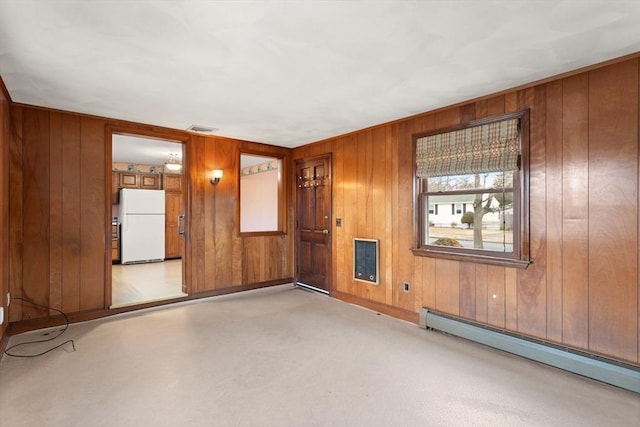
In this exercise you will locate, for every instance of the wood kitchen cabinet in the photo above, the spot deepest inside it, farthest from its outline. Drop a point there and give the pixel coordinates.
(115, 190)
(122, 180)
(172, 183)
(115, 243)
(128, 180)
(149, 181)
(174, 242)
(115, 251)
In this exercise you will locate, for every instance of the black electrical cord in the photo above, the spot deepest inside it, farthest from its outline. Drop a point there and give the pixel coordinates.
(62, 331)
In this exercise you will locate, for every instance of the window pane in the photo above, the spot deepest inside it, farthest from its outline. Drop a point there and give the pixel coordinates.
(487, 223)
(472, 181)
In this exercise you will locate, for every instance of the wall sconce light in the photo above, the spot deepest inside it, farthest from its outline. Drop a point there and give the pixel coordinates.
(215, 176)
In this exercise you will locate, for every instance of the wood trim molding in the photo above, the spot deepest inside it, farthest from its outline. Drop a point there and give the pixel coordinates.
(283, 209)
(389, 310)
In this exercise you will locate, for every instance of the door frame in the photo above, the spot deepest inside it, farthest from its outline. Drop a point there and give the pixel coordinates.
(296, 251)
(154, 133)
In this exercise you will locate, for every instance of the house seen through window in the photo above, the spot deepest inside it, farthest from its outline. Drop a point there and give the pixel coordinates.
(481, 215)
(476, 173)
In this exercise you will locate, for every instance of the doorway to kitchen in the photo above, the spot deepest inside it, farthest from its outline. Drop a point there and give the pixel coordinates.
(148, 195)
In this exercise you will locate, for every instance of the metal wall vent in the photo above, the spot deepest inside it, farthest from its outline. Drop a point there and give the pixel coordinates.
(201, 129)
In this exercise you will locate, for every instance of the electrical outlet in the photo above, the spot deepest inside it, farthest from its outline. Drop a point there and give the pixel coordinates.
(406, 286)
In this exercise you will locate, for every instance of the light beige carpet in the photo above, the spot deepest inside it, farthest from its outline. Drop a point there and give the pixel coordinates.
(284, 356)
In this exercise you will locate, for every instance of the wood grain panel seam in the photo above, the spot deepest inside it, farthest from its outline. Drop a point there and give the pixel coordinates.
(613, 113)
(588, 203)
(556, 279)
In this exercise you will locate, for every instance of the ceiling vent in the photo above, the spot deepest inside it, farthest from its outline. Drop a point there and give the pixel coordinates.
(201, 129)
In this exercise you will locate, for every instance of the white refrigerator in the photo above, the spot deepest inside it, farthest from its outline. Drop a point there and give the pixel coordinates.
(142, 225)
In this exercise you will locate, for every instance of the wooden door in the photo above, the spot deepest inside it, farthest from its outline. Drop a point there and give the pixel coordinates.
(313, 222)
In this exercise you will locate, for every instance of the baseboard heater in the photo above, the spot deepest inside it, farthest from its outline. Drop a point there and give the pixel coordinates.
(619, 374)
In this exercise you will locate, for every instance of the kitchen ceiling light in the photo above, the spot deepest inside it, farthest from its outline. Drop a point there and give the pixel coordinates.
(172, 164)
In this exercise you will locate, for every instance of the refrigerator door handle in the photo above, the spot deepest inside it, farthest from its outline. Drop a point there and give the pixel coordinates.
(181, 225)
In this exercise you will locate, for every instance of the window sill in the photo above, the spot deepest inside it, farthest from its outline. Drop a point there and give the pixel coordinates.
(472, 257)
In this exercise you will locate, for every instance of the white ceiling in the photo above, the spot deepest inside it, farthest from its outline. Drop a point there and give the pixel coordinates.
(293, 72)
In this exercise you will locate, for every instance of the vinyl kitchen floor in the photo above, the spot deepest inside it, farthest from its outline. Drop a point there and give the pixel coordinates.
(140, 283)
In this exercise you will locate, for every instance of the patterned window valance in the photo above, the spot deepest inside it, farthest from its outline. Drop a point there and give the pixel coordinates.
(480, 149)
(262, 167)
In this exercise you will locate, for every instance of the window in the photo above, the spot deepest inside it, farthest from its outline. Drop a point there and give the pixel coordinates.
(479, 170)
(261, 210)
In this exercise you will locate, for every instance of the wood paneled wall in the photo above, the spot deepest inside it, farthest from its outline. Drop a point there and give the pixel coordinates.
(220, 258)
(582, 289)
(4, 206)
(58, 214)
